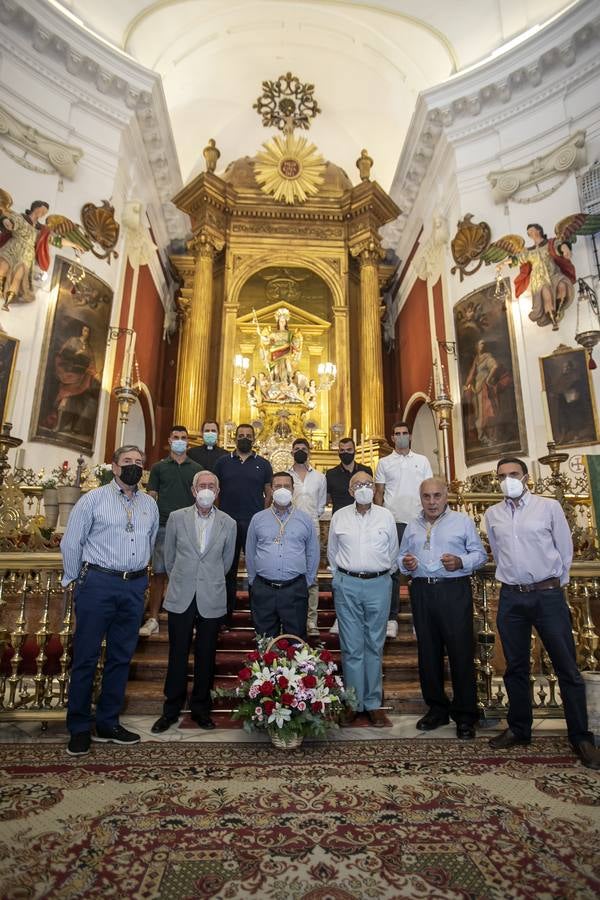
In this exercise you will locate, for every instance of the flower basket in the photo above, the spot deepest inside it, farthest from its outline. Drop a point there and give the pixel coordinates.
(289, 690)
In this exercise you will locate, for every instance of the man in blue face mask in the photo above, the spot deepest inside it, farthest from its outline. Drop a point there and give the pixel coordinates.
(170, 484)
(208, 452)
(531, 542)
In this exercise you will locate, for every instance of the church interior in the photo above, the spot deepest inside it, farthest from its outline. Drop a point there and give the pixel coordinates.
(320, 218)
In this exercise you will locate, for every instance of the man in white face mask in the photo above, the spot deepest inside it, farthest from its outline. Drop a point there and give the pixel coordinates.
(282, 558)
(362, 552)
(199, 546)
(531, 542)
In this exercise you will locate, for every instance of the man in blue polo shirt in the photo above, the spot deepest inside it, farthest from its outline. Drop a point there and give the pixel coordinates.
(245, 479)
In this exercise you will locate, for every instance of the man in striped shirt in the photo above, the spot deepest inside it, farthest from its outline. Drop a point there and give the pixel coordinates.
(106, 548)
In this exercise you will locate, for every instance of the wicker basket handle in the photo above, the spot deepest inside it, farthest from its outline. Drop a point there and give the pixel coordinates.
(294, 637)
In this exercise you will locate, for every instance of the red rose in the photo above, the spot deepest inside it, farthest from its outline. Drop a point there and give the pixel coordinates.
(286, 699)
(309, 681)
(283, 644)
(267, 688)
(316, 706)
(329, 681)
(268, 707)
(254, 656)
(269, 657)
(282, 682)
(290, 652)
(325, 656)
(245, 674)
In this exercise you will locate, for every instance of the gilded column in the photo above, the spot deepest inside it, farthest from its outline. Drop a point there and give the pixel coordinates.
(340, 411)
(371, 375)
(225, 404)
(190, 402)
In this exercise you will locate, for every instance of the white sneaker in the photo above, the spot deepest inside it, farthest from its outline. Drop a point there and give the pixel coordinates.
(334, 628)
(149, 627)
(392, 629)
(312, 631)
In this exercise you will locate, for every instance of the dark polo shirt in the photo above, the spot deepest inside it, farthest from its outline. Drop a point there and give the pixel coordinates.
(242, 484)
(172, 481)
(206, 456)
(338, 481)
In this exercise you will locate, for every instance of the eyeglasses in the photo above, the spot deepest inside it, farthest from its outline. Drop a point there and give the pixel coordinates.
(359, 484)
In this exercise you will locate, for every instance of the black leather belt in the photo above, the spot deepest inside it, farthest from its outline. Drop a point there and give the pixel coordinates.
(545, 585)
(126, 576)
(363, 574)
(280, 584)
(437, 580)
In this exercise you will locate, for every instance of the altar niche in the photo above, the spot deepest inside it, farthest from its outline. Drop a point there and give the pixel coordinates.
(283, 369)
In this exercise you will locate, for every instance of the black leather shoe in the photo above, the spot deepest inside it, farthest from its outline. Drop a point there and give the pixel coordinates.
(465, 732)
(203, 722)
(588, 754)
(163, 724)
(431, 721)
(507, 739)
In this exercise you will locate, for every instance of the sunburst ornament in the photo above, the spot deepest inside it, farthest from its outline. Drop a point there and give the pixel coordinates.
(289, 168)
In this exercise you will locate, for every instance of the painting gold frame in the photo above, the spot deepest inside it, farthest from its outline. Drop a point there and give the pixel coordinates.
(9, 348)
(569, 392)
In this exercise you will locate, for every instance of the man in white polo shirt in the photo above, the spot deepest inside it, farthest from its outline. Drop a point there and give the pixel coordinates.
(397, 482)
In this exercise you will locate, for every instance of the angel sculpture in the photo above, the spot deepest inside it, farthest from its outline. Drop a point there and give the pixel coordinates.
(546, 269)
(24, 239)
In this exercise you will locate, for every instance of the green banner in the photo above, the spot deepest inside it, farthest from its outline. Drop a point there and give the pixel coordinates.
(592, 464)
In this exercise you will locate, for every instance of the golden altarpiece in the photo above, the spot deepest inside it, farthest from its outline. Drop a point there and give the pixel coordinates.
(280, 304)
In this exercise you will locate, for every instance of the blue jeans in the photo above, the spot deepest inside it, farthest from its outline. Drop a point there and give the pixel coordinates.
(548, 613)
(105, 605)
(362, 607)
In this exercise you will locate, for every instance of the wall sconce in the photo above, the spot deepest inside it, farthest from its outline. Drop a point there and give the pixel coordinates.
(241, 365)
(327, 373)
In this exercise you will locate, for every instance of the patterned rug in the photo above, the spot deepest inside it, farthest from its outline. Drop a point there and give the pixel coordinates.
(340, 820)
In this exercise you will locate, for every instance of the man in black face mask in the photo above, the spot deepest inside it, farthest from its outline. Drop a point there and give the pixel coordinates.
(338, 483)
(245, 479)
(106, 548)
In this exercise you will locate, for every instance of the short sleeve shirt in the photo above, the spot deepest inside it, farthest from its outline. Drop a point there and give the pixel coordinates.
(338, 481)
(242, 484)
(172, 481)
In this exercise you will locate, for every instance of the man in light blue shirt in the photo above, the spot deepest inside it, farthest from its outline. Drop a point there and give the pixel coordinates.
(106, 548)
(282, 559)
(440, 549)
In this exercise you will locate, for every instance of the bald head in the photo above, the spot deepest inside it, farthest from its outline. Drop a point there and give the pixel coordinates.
(360, 478)
(434, 497)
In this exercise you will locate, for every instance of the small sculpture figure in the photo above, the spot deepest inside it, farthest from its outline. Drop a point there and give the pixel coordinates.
(211, 155)
(281, 348)
(364, 164)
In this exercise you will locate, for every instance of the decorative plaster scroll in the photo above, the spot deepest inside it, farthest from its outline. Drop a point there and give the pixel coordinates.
(63, 158)
(430, 255)
(139, 247)
(567, 157)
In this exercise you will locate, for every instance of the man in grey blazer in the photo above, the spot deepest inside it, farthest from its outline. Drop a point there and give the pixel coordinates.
(199, 547)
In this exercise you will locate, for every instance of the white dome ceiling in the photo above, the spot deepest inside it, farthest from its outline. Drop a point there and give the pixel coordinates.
(367, 60)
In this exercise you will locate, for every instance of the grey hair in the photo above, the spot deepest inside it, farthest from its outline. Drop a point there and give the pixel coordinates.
(199, 475)
(127, 448)
(435, 480)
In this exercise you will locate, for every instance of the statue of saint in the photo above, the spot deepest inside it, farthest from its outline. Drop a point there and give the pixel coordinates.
(281, 349)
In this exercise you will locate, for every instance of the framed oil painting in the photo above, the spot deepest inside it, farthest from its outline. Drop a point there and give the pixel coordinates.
(72, 361)
(570, 395)
(491, 400)
(8, 356)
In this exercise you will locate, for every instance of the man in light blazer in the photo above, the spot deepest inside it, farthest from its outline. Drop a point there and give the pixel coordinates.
(199, 547)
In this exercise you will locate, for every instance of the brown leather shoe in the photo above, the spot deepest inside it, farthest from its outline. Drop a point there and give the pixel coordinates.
(507, 739)
(347, 718)
(588, 754)
(376, 717)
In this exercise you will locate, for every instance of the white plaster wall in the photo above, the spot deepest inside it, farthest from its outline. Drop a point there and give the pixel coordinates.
(532, 122)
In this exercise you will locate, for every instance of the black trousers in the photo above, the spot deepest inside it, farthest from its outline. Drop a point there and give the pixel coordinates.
(279, 609)
(231, 577)
(397, 575)
(181, 631)
(443, 620)
(548, 613)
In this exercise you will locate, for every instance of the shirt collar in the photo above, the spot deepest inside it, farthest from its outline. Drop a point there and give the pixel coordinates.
(119, 490)
(209, 516)
(170, 459)
(292, 471)
(426, 523)
(520, 503)
(234, 453)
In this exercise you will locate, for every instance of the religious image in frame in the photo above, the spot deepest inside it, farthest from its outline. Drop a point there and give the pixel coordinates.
(8, 356)
(491, 402)
(72, 360)
(570, 395)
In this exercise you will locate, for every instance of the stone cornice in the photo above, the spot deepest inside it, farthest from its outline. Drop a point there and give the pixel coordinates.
(559, 56)
(107, 79)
